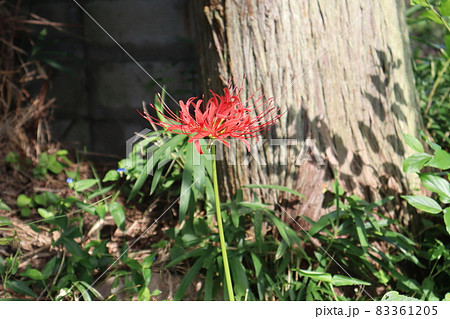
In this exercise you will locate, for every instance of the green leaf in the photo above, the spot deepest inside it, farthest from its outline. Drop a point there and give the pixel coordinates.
(339, 280)
(148, 261)
(323, 222)
(3, 206)
(447, 219)
(4, 221)
(111, 176)
(210, 272)
(281, 249)
(316, 275)
(257, 226)
(23, 200)
(435, 184)
(440, 160)
(49, 268)
(144, 294)
(361, 231)
(155, 179)
(430, 14)
(158, 156)
(423, 3)
(257, 264)
(84, 292)
(415, 162)
(6, 240)
(32, 273)
(88, 208)
(240, 282)
(444, 7)
(189, 277)
(45, 213)
(41, 199)
(53, 165)
(277, 187)
(424, 203)
(414, 143)
(395, 296)
(73, 247)
(20, 287)
(84, 184)
(118, 214)
(25, 212)
(186, 183)
(100, 210)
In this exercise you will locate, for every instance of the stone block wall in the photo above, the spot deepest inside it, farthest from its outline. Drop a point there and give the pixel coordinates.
(98, 99)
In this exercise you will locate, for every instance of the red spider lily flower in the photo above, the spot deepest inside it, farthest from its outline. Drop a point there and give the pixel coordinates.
(223, 117)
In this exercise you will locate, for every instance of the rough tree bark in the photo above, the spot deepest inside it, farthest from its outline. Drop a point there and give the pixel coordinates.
(342, 72)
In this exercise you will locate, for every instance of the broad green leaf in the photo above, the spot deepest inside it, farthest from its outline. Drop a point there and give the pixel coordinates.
(257, 264)
(441, 160)
(432, 16)
(144, 294)
(415, 162)
(118, 214)
(4, 221)
(3, 206)
(88, 208)
(281, 249)
(316, 275)
(49, 268)
(84, 184)
(427, 287)
(277, 187)
(395, 296)
(148, 261)
(339, 280)
(73, 247)
(240, 282)
(444, 7)
(53, 165)
(424, 203)
(32, 273)
(447, 219)
(423, 3)
(25, 212)
(6, 240)
(414, 143)
(45, 213)
(23, 200)
(20, 287)
(100, 211)
(111, 176)
(435, 184)
(40, 199)
(323, 222)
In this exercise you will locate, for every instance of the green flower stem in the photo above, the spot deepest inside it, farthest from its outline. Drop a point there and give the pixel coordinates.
(223, 246)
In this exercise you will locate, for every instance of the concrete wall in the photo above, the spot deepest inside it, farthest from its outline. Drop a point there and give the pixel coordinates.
(98, 99)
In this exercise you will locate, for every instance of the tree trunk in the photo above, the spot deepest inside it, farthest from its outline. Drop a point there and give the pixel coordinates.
(341, 70)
